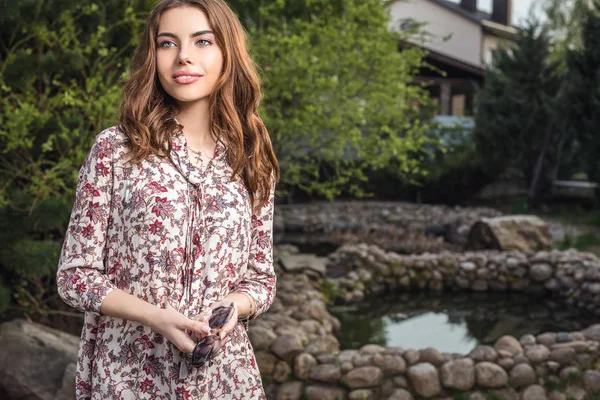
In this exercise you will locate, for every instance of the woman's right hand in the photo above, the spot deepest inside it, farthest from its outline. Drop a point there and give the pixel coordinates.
(173, 325)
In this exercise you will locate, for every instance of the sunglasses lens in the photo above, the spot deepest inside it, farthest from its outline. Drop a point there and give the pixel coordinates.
(220, 316)
(208, 346)
(205, 350)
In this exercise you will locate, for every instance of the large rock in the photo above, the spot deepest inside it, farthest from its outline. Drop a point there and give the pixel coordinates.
(424, 378)
(361, 394)
(287, 346)
(483, 353)
(325, 344)
(364, 377)
(591, 381)
(261, 337)
(563, 356)
(490, 375)
(537, 353)
(458, 374)
(281, 372)
(296, 263)
(291, 390)
(322, 392)
(327, 373)
(511, 232)
(401, 394)
(592, 333)
(534, 392)
(303, 364)
(509, 346)
(266, 362)
(27, 347)
(431, 356)
(390, 363)
(541, 272)
(522, 375)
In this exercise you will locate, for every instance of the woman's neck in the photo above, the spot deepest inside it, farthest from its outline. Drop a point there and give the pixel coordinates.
(195, 119)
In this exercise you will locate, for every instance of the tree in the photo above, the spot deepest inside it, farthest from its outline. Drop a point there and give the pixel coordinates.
(340, 99)
(564, 21)
(516, 104)
(61, 67)
(583, 93)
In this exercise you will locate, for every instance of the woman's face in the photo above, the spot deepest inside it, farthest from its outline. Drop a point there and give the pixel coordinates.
(189, 61)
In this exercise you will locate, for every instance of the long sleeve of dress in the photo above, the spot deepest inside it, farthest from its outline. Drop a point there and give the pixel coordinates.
(81, 279)
(259, 281)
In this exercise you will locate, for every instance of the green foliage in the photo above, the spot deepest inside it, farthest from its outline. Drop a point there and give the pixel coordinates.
(555, 384)
(516, 104)
(329, 290)
(454, 166)
(61, 68)
(564, 19)
(340, 98)
(581, 242)
(31, 245)
(583, 94)
(59, 77)
(459, 395)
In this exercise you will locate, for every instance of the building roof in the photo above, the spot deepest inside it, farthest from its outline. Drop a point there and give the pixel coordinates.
(476, 16)
(480, 17)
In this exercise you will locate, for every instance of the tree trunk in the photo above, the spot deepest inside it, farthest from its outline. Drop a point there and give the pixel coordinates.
(533, 194)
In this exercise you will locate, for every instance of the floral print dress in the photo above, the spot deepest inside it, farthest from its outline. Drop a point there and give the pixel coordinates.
(164, 231)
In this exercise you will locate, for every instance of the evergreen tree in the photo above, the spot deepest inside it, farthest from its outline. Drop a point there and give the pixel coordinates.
(516, 105)
(583, 94)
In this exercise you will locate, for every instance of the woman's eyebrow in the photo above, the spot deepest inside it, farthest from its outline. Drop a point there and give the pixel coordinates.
(193, 35)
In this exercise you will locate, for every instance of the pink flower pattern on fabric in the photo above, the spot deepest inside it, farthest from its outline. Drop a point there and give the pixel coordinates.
(166, 232)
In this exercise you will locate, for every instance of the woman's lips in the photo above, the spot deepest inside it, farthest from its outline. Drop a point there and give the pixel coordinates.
(186, 79)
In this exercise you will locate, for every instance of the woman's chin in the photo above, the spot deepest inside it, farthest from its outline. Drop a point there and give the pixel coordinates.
(190, 99)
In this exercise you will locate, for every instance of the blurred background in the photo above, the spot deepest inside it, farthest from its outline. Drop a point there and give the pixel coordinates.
(417, 126)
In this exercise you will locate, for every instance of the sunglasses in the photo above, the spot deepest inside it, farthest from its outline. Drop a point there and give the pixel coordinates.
(208, 346)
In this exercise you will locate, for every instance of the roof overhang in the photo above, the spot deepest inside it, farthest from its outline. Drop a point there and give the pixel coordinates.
(442, 58)
(503, 31)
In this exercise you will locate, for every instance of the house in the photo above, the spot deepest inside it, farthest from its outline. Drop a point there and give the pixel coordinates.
(461, 40)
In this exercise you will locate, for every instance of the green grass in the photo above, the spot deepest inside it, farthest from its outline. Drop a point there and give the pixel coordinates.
(580, 242)
(568, 213)
(572, 214)
(459, 395)
(559, 385)
(593, 396)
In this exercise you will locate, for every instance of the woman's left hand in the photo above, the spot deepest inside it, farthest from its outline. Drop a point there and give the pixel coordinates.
(228, 327)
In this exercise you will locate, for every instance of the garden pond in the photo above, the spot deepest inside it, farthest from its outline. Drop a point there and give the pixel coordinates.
(453, 322)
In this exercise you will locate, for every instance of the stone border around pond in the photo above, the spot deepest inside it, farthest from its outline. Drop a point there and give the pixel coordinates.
(354, 271)
(300, 357)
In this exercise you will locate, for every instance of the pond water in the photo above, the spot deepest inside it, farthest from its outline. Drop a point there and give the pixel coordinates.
(453, 322)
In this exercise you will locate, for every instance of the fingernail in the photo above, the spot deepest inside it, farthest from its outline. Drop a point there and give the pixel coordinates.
(207, 329)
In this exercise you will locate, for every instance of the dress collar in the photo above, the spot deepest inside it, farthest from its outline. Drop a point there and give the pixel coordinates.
(181, 159)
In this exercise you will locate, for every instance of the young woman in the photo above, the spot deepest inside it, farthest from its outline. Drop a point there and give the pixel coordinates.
(169, 246)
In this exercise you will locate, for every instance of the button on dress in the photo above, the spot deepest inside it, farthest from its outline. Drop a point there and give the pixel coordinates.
(165, 231)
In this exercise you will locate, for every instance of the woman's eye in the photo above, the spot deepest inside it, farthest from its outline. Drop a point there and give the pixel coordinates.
(166, 44)
(203, 42)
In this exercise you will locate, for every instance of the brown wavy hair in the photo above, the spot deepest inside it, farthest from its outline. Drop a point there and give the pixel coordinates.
(148, 112)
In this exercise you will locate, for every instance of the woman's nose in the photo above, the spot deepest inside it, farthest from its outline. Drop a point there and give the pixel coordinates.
(184, 57)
